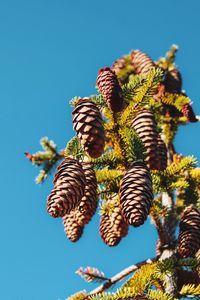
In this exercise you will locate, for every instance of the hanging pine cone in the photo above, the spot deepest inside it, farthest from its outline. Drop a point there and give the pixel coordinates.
(145, 126)
(112, 225)
(88, 125)
(136, 194)
(189, 236)
(107, 233)
(188, 113)
(173, 81)
(69, 185)
(72, 229)
(118, 223)
(141, 62)
(110, 89)
(88, 204)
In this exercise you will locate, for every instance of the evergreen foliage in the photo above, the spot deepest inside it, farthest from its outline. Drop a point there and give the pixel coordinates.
(175, 188)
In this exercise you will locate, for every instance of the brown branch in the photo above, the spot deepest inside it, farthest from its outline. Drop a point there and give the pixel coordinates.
(161, 230)
(119, 276)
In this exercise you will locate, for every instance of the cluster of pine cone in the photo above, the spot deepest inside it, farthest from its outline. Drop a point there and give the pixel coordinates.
(74, 196)
(172, 83)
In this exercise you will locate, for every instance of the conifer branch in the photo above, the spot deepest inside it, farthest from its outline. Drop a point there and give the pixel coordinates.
(168, 61)
(121, 275)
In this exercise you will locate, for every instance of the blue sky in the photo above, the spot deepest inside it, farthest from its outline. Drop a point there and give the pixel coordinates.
(51, 51)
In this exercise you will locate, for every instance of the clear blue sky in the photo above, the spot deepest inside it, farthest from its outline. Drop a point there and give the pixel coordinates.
(51, 51)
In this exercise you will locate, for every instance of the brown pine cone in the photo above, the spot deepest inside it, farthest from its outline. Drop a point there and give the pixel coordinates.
(110, 89)
(112, 224)
(72, 229)
(144, 125)
(136, 194)
(141, 62)
(158, 248)
(118, 222)
(173, 81)
(189, 113)
(88, 204)
(118, 65)
(162, 154)
(189, 236)
(69, 186)
(107, 233)
(88, 125)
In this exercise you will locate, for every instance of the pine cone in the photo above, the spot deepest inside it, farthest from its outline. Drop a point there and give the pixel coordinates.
(88, 125)
(118, 222)
(188, 113)
(88, 204)
(69, 185)
(107, 232)
(110, 89)
(173, 81)
(162, 154)
(158, 248)
(118, 65)
(141, 62)
(113, 227)
(136, 194)
(189, 236)
(72, 229)
(145, 126)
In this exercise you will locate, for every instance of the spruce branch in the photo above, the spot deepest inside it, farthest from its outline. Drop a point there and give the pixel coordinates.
(190, 290)
(47, 159)
(74, 148)
(168, 61)
(140, 94)
(133, 145)
(108, 159)
(121, 275)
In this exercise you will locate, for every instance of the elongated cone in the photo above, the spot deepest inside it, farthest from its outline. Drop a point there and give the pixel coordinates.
(110, 89)
(112, 224)
(72, 229)
(88, 204)
(88, 125)
(69, 186)
(173, 81)
(189, 236)
(107, 233)
(118, 223)
(136, 194)
(189, 113)
(145, 126)
(141, 62)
